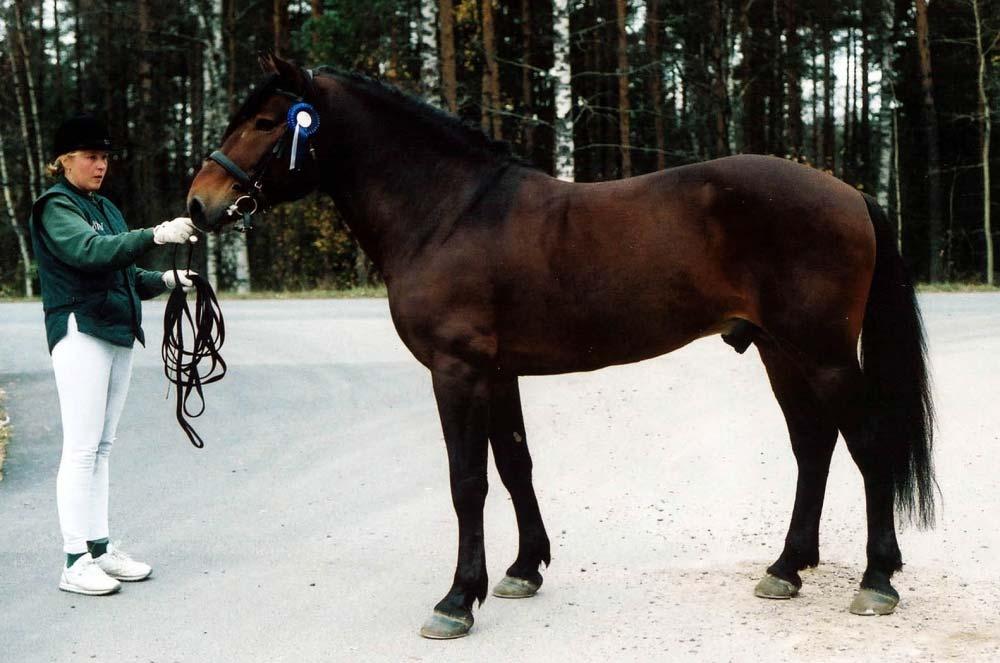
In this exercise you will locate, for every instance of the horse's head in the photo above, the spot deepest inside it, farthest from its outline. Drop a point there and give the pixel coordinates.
(267, 154)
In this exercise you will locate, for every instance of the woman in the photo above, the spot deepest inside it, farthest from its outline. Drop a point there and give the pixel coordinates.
(90, 293)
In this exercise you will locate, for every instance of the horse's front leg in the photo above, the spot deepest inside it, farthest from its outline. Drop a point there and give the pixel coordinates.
(463, 394)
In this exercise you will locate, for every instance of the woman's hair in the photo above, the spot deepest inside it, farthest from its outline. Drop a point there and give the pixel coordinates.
(55, 169)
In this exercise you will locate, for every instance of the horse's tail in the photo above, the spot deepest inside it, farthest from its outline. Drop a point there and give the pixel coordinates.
(893, 358)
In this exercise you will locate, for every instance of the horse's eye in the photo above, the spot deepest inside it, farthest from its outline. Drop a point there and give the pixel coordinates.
(264, 124)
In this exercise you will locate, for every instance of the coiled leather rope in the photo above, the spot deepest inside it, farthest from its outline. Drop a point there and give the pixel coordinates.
(183, 367)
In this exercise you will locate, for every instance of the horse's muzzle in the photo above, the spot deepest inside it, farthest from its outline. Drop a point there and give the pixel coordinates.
(196, 210)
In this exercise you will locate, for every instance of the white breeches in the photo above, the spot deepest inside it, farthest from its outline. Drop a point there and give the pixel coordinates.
(92, 377)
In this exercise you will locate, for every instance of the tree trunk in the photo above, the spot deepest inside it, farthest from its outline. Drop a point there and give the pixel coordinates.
(653, 31)
(492, 103)
(105, 68)
(317, 12)
(229, 10)
(564, 157)
(814, 101)
(753, 20)
(865, 150)
(235, 260)
(22, 116)
(793, 77)
(624, 104)
(32, 102)
(883, 146)
(527, 91)
(847, 164)
(233, 254)
(146, 164)
(829, 161)
(930, 127)
(280, 18)
(22, 243)
(57, 43)
(776, 87)
(984, 138)
(720, 98)
(607, 43)
(430, 76)
(78, 53)
(449, 80)
(898, 185)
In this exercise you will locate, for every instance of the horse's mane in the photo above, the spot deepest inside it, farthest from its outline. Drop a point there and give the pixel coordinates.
(459, 131)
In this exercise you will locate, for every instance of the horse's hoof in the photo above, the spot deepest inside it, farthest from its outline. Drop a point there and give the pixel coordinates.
(515, 588)
(868, 602)
(446, 627)
(773, 587)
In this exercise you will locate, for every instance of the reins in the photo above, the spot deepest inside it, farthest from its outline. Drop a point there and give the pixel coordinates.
(183, 367)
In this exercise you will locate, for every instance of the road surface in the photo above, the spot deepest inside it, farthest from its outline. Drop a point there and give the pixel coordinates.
(316, 524)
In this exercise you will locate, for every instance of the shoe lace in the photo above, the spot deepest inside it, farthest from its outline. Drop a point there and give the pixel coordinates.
(117, 553)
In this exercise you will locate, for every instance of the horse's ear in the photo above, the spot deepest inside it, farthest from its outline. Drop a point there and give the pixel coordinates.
(290, 74)
(266, 59)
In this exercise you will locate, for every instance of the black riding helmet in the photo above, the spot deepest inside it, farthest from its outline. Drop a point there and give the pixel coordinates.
(82, 132)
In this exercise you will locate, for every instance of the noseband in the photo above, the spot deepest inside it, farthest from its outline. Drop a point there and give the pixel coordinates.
(253, 198)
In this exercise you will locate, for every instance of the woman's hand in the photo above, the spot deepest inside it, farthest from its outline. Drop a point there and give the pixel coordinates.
(176, 231)
(183, 278)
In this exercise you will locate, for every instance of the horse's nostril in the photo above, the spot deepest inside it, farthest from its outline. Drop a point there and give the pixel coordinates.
(196, 209)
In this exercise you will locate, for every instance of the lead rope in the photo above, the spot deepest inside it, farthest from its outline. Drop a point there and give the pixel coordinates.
(181, 366)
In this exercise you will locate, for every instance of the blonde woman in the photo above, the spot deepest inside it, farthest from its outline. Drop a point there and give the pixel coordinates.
(91, 292)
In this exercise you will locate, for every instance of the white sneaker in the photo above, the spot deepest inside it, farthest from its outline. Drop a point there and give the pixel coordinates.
(86, 577)
(117, 564)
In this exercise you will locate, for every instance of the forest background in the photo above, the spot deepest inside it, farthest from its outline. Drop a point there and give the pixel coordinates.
(895, 97)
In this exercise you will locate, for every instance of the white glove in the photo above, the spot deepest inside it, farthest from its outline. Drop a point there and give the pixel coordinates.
(185, 279)
(177, 231)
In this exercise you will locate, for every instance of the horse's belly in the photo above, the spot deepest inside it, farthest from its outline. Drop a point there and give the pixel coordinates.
(558, 341)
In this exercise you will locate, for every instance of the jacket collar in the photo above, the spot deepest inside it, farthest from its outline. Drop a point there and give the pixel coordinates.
(89, 195)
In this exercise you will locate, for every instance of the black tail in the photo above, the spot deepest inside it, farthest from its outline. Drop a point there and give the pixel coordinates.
(893, 358)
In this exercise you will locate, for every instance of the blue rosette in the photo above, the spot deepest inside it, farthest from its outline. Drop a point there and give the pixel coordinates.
(303, 121)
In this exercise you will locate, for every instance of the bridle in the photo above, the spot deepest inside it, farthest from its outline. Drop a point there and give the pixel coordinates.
(253, 198)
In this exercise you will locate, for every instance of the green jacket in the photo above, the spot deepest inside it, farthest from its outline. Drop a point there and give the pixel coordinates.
(85, 256)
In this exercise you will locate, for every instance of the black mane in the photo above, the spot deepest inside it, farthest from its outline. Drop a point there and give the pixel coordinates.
(461, 132)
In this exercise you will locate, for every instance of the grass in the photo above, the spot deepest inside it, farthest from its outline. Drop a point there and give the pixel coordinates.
(956, 286)
(377, 291)
(4, 432)
(350, 293)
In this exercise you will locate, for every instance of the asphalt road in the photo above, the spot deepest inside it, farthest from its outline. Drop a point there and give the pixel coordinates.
(316, 525)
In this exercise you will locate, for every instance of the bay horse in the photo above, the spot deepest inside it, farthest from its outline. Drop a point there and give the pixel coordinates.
(496, 270)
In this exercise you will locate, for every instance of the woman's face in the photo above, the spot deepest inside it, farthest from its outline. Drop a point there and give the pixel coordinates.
(86, 169)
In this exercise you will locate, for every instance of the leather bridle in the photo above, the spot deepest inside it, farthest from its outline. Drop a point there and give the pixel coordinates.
(251, 184)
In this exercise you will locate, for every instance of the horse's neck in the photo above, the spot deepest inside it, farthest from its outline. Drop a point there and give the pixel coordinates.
(398, 198)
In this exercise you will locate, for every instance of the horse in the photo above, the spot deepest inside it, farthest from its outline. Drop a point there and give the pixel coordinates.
(496, 270)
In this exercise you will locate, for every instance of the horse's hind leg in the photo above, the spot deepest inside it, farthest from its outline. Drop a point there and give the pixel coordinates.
(841, 386)
(813, 435)
(510, 452)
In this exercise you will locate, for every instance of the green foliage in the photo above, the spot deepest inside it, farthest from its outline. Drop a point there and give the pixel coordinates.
(347, 38)
(302, 245)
